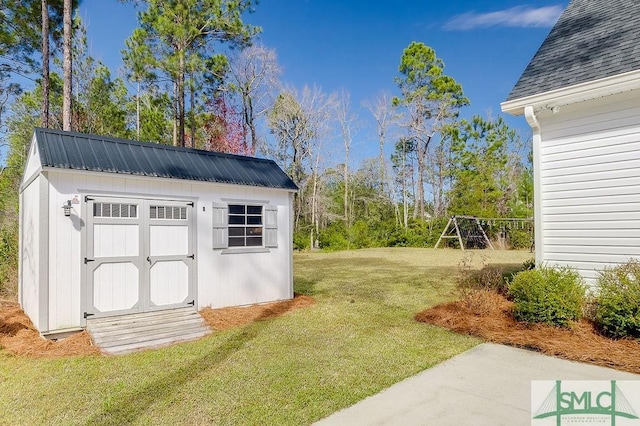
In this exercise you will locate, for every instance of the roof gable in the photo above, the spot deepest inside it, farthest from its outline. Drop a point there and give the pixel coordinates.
(591, 40)
(77, 151)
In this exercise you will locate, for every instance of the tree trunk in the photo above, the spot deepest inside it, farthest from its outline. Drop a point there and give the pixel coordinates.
(418, 210)
(252, 127)
(138, 112)
(192, 110)
(45, 64)
(405, 203)
(346, 186)
(382, 168)
(181, 114)
(175, 113)
(67, 67)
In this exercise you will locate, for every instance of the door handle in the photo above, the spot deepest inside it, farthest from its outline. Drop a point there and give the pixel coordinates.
(148, 259)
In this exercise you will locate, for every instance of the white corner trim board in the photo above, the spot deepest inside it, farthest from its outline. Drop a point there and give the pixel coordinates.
(532, 120)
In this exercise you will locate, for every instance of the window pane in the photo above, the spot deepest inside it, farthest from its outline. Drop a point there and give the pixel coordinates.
(236, 232)
(236, 209)
(254, 209)
(254, 231)
(236, 242)
(236, 220)
(245, 225)
(254, 220)
(254, 241)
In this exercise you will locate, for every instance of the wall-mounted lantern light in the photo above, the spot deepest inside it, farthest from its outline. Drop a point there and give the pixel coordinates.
(67, 208)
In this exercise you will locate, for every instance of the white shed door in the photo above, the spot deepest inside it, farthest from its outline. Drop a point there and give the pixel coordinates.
(139, 255)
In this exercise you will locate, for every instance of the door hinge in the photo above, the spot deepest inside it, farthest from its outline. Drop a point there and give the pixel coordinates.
(88, 260)
(193, 256)
(87, 198)
(86, 314)
(192, 303)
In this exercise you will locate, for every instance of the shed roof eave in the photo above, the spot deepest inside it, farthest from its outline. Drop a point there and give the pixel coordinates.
(620, 83)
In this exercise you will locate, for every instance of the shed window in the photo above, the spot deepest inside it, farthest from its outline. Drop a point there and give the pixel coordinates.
(168, 212)
(245, 225)
(115, 210)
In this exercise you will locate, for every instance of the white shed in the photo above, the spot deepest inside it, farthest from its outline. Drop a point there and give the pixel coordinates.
(581, 96)
(111, 226)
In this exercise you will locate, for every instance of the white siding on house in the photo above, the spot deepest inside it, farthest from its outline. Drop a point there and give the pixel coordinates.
(589, 175)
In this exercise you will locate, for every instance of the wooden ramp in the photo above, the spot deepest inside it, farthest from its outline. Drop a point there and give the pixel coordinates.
(133, 332)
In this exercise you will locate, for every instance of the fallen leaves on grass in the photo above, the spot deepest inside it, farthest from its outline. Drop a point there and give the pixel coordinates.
(19, 337)
(224, 318)
(494, 322)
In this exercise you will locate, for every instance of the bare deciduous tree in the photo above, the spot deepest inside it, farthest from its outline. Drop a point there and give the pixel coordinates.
(382, 110)
(253, 75)
(300, 122)
(347, 120)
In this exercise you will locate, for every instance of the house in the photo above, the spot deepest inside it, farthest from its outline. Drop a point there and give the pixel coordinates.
(111, 226)
(581, 96)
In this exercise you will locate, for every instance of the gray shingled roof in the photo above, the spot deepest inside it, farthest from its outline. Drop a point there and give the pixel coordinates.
(68, 150)
(593, 39)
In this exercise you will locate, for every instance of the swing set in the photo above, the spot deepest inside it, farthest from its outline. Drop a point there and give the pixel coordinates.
(470, 233)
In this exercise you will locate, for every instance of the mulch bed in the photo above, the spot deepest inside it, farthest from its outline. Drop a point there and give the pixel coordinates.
(492, 320)
(225, 318)
(19, 337)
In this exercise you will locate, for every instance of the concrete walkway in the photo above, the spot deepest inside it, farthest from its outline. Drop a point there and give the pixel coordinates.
(487, 385)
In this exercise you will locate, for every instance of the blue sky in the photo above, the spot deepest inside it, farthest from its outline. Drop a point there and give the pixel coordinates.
(356, 45)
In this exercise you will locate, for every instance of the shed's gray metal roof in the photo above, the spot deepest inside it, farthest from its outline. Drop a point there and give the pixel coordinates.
(593, 39)
(68, 150)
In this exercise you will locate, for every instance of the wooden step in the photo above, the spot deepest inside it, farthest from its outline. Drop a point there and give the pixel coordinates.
(133, 332)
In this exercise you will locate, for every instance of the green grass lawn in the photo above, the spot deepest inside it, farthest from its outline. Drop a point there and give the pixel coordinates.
(358, 339)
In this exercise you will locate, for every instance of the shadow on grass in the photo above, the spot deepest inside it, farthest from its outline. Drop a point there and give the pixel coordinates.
(129, 405)
(305, 286)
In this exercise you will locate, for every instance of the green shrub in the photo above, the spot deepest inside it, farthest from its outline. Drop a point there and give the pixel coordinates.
(617, 303)
(9, 260)
(334, 237)
(359, 235)
(301, 240)
(490, 277)
(548, 295)
(528, 265)
(519, 239)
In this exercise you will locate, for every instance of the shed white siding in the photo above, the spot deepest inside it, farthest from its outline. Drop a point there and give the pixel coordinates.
(588, 174)
(30, 260)
(225, 277)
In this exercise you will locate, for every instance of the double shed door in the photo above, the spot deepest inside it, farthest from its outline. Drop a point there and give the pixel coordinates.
(139, 255)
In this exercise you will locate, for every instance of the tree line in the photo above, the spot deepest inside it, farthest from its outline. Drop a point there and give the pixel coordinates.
(194, 76)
